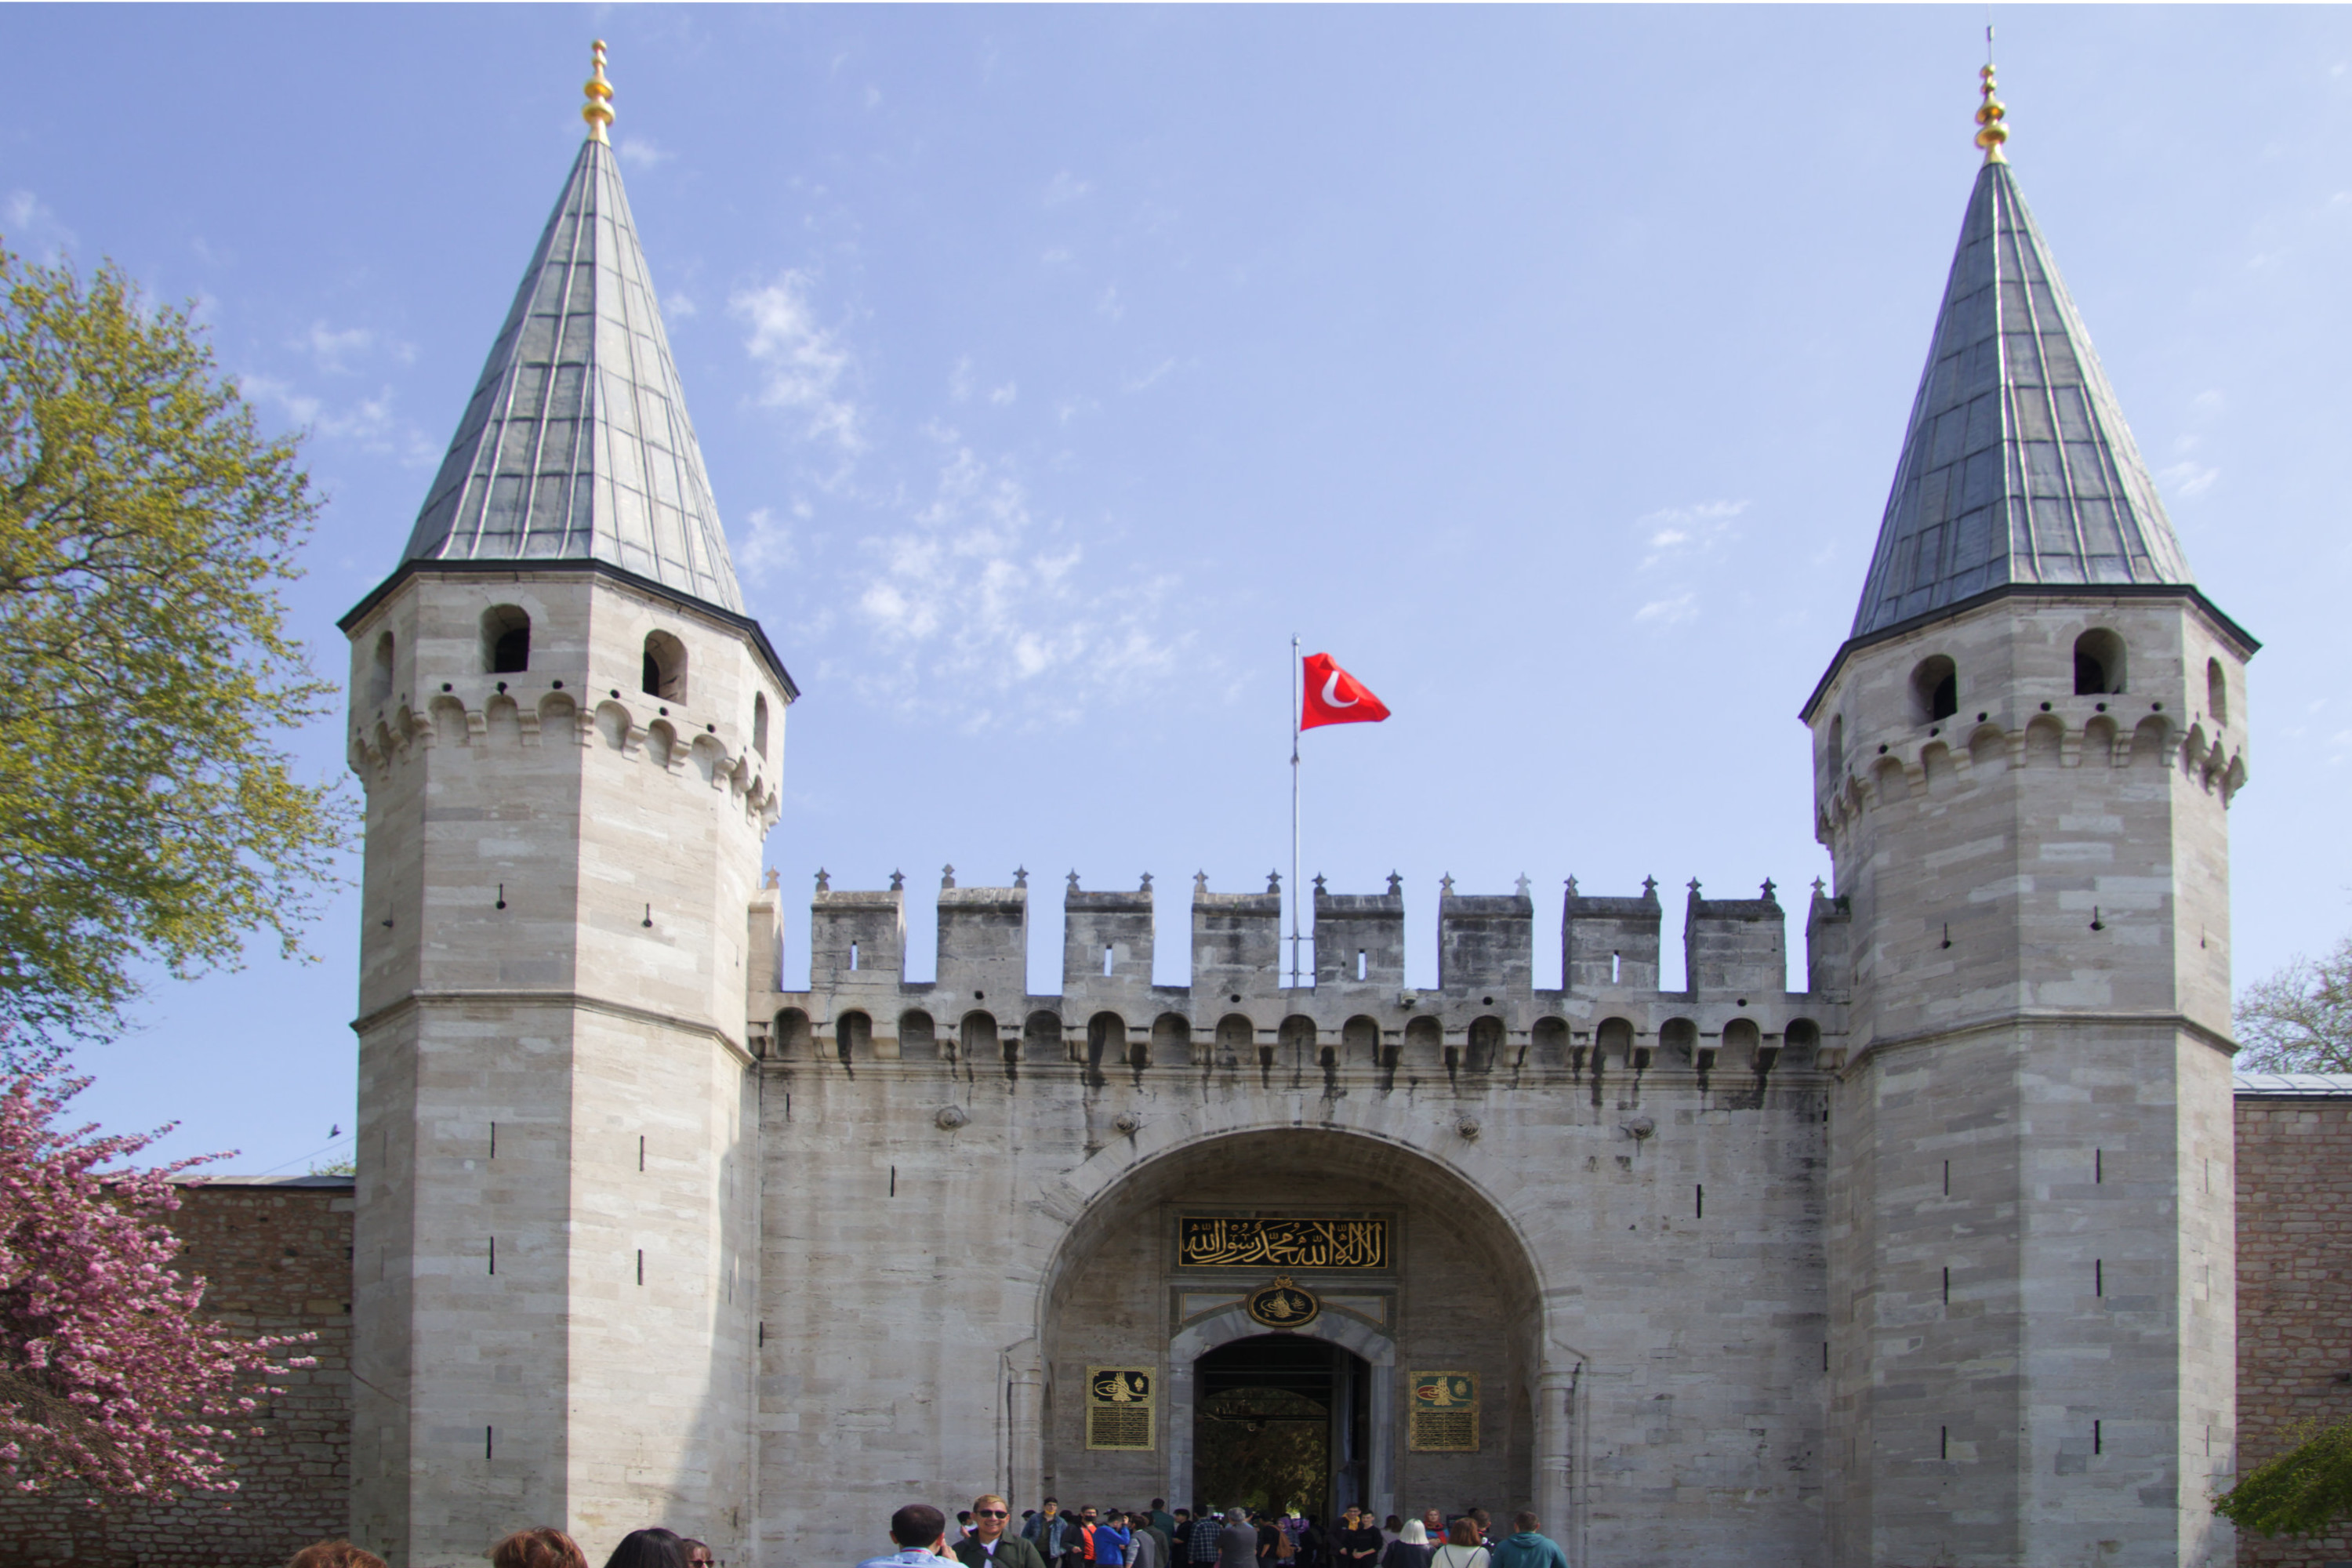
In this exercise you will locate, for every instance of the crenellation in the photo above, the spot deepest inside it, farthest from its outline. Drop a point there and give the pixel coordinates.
(1734, 945)
(1485, 943)
(1490, 1020)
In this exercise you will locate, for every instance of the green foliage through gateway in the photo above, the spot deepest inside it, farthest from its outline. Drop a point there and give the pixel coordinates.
(2302, 1491)
(146, 813)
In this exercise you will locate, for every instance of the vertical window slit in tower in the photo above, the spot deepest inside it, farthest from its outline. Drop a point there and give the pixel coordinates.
(853, 955)
(1948, 1284)
(641, 1266)
(763, 1333)
(1825, 1355)
(494, 1140)
(2099, 1166)
(1947, 1178)
(2097, 1438)
(1616, 968)
(894, 1181)
(1106, 961)
(494, 1255)
(1699, 1208)
(641, 1150)
(1943, 1442)
(490, 1443)
(2098, 1277)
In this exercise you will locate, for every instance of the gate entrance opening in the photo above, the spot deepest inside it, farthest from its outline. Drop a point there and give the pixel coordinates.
(1279, 1421)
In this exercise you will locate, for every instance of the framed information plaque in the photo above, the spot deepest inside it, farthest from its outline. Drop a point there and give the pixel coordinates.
(1445, 1412)
(1119, 1404)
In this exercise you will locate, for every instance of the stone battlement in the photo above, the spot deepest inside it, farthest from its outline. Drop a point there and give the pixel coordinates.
(1485, 1015)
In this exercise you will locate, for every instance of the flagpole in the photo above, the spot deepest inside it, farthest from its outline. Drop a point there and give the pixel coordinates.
(1296, 697)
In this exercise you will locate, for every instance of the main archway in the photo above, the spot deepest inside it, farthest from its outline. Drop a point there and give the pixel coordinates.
(1415, 1277)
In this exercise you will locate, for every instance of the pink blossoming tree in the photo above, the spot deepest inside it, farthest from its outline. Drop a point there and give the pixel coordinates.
(109, 1381)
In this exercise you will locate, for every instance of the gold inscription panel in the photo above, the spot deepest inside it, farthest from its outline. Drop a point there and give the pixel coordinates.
(1119, 1402)
(1223, 1241)
(1445, 1412)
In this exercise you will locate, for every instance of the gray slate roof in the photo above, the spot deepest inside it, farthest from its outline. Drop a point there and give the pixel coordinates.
(576, 445)
(2017, 467)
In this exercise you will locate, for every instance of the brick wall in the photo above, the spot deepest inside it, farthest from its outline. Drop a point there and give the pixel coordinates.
(277, 1255)
(2294, 1290)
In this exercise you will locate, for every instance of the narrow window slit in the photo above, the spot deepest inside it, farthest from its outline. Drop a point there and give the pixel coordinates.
(1363, 964)
(1106, 961)
(641, 1266)
(853, 955)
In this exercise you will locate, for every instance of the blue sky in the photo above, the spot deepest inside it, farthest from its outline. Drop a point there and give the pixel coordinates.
(1053, 366)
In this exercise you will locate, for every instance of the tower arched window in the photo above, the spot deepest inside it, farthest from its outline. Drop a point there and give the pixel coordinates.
(1837, 745)
(380, 672)
(665, 671)
(506, 640)
(2217, 693)
(759, 725)
(2099, 663)
(1935, 690)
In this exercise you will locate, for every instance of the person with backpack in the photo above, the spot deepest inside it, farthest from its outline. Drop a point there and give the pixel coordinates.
(1461, 1549)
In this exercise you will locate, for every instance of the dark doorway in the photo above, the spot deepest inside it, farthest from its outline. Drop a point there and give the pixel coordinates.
(1279, 1420)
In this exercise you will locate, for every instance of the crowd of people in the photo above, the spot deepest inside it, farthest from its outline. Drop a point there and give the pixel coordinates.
(544, 1547)
(985, 1536)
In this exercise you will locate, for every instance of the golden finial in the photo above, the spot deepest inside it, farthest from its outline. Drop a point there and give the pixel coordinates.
(598, 110)
(1990, 131)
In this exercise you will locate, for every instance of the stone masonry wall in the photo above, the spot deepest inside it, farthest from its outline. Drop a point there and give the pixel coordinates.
(277, 1258)
(2294, 1290)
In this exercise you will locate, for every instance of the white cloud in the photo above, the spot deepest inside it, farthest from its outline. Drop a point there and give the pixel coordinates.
(1056, 256)
(802, 363)
(2187, 477)
(332, 349)
(976, 601)
(1008, 393)
(371, 424)
(1684, 533)
(643, 151)
(1064, 188)
(1150, 377)
(1107, 303)
(959, 380)
(762, 546)
(1668, 612)
(681, 306)
(31, 226)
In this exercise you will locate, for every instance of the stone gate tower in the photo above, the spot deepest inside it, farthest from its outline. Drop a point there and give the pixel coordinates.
(2024, 756)
(568, 735)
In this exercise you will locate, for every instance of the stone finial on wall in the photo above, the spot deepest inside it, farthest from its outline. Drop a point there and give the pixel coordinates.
(823, 882)
(947, 878)
(898, 882)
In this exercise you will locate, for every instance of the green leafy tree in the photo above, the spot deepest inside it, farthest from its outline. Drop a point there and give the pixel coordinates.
(2299, 1019)
(2307, 1490)
(148, 813)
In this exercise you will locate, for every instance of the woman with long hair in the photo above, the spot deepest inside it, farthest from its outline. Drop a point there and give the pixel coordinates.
(1461, 1549)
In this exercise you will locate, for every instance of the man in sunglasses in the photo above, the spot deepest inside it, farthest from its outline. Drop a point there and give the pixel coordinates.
(990, 1546)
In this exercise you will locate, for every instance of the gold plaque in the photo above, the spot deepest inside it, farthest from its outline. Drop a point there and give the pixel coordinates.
(1282, 1305)
(1119, 1401)
(1224, 1241)
(1445, 1412)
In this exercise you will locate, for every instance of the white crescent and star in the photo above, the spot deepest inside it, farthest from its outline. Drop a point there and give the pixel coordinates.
(1331, 693)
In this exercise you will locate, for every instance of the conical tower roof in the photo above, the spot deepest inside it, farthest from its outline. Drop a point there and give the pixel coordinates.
(576, 445)
(2017, 468)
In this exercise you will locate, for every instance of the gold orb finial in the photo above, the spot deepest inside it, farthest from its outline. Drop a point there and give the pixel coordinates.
(598, 110)
(1990, 114)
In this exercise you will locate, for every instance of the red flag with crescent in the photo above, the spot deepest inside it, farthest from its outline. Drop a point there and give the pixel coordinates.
(1335, 697)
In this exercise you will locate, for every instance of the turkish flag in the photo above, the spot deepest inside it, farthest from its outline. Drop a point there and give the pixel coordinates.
(1335, 697)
